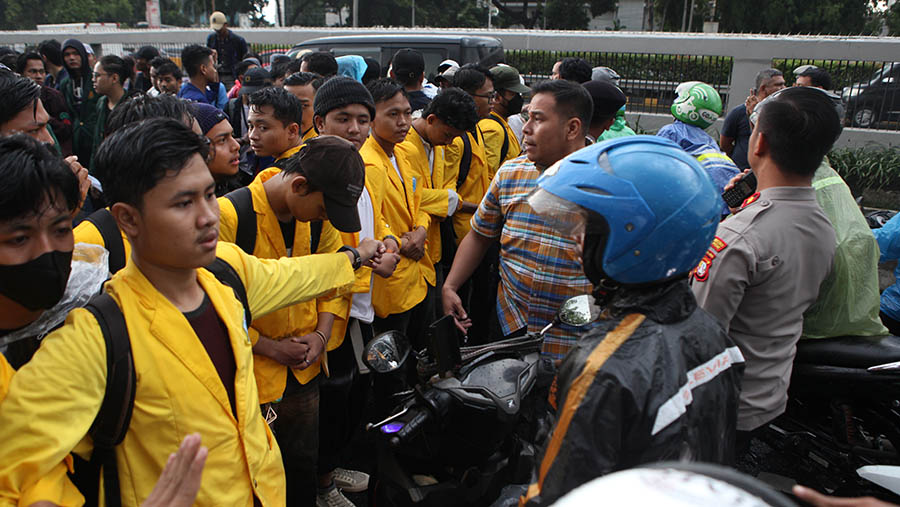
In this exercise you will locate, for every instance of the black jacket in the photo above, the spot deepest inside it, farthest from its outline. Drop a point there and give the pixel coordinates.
(659, 381)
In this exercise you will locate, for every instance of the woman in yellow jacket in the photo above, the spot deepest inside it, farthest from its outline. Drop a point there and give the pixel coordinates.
(400, 301)
(193, 375)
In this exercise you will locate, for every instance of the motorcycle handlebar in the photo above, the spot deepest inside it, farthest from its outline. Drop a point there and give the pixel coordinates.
(433, 402)
(411, 428)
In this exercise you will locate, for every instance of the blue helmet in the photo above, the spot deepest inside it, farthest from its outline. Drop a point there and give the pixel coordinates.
(659, 208)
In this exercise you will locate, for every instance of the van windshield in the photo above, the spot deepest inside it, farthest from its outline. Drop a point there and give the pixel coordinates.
(885, 71)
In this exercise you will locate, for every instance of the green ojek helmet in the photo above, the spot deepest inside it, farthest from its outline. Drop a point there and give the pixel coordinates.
(697, 104)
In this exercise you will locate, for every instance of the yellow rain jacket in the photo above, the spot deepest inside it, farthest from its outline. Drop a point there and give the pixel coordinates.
(434, 197)
(400, 208)
(54, 398)
(494, 129)
(477, 182)
(295, 320)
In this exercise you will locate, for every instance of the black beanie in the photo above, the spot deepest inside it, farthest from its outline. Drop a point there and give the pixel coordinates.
(341, 91)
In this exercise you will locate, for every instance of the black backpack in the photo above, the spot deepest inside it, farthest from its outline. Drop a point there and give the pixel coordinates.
(245, 236)
(505, 149)
(112, 238)
(111, 424)
(448, 235)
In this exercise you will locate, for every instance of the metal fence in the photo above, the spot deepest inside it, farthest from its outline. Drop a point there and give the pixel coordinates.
(648, 79)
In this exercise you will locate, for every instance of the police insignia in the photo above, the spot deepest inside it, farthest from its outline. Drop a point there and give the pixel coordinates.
(750, 200)
(718, 245)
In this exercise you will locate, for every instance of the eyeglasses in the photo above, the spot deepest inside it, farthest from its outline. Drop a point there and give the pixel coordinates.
(492, 96)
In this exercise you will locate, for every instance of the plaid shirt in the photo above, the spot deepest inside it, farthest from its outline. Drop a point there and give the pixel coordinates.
(538, 267)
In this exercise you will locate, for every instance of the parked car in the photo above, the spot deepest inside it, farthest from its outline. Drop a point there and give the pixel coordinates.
(435, 48)
(875, 101)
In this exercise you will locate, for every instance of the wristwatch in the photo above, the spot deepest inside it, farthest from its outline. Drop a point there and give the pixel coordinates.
(357, 260)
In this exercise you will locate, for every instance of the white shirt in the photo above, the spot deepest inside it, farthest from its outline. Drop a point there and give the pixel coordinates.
(361, 305)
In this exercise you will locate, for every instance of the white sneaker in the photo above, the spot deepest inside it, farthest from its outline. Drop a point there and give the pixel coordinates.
(332, 497)
(350, 481)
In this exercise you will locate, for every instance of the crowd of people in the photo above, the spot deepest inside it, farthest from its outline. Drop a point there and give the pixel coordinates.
(202, 251)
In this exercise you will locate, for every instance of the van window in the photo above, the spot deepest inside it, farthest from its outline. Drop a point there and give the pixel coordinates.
(363, 51)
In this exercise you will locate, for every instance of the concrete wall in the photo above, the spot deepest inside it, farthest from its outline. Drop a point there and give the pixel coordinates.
(751, 53)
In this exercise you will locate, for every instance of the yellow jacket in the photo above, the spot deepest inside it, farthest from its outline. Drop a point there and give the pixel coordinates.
(434, 197)
(493, 141)
(400, 208)
(295, 320)
(477, 181)
(54, 398)
(86, 232)
(55, 487)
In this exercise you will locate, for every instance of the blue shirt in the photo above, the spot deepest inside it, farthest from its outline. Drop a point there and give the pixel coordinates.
(888, 237)
(190, 92)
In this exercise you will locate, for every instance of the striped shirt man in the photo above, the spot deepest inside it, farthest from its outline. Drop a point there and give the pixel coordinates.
(539, 269)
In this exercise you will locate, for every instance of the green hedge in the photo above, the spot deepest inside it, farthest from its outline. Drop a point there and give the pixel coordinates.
(868, 168)
(715, 70)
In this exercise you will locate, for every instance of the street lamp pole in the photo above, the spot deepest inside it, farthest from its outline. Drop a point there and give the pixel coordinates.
(413, 13)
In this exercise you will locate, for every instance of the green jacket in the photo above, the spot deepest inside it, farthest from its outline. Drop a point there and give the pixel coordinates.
(84, 117)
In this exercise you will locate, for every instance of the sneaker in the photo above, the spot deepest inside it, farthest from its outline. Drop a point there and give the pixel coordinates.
(350, 481)
(332, 497)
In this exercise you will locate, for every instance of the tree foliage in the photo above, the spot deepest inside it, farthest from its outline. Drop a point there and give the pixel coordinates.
(798, 16)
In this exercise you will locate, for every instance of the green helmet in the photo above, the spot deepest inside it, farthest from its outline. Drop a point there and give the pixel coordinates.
(697, 104)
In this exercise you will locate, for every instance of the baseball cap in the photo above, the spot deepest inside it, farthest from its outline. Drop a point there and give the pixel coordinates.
(446, 64)
(407, 63)
(333, 166)
(147, 52)
(255, 79)
(217, 20)
(607, 97)
(507, 78)
(447, 74)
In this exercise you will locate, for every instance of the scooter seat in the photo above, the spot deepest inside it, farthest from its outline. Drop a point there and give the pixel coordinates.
(849, 351)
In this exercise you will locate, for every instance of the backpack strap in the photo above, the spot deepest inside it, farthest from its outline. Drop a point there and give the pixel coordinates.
(465, 162)
(227, 275)
(315, 235)
(242, 200)
(505, 149)
(111, 424)
(112, 238)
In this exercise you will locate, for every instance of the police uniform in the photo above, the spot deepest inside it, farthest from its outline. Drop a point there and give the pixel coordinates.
(762, 271)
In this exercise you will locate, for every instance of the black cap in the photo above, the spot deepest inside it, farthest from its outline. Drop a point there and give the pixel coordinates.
(341, 91)
(407, 63)
(146, 52)
(255, 79)
(607, 97)
(333, 166)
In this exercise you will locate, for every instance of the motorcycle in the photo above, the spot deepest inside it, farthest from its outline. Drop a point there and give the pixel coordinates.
(841, 427)
(463, 419)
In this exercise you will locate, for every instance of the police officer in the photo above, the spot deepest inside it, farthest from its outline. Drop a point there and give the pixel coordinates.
(765, 266)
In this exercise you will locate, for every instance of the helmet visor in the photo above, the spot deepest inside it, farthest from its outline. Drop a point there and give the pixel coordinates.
(564, 216)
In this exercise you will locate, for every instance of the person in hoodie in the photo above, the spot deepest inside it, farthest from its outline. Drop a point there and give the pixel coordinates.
(696, 108)
(81, 99)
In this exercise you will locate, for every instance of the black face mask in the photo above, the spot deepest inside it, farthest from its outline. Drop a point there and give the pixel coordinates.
(514, 105)
(39, 283)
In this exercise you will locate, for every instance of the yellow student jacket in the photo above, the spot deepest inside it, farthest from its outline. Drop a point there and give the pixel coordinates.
(55, 487)
(295, 320)
(494, 129)
(400, 208)
(433, 192)
(54, 398)
(477, 181)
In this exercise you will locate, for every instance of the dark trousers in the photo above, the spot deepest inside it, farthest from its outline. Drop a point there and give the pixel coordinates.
(297, 432)
(342, 400)
(479, 296)
(892, 325)
(413, 323)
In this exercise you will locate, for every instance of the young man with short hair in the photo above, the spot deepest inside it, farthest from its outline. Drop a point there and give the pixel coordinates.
(51, 51)
(298, 209)
(31, 65)
(500, 142)
(450, 115)
(166, 77)
(190, 348)
(203, 84)
(303, 85)
(400, 301)
(768, 260)
(574, 69)
(344, 108)
(142, 57)
(110, 74)
(23, 109)
(539, 267)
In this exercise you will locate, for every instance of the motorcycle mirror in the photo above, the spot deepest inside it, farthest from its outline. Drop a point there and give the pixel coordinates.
(578, 311)
(386, 352)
